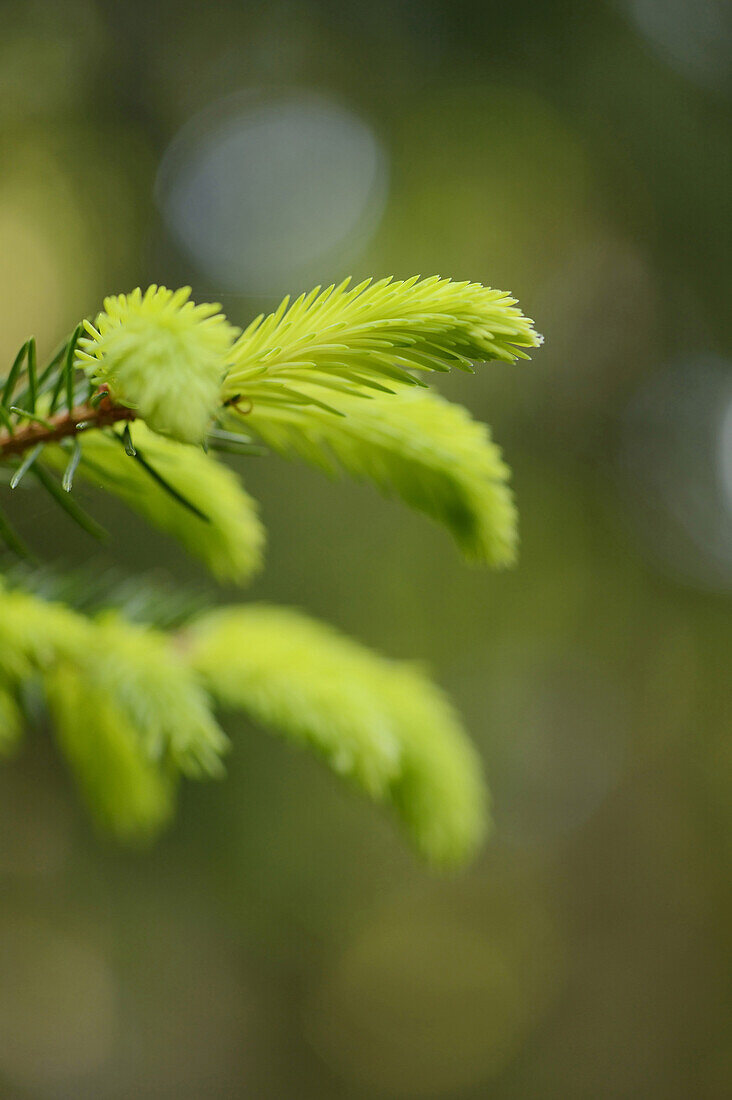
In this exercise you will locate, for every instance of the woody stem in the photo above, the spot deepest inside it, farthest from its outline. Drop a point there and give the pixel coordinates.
(63, 425)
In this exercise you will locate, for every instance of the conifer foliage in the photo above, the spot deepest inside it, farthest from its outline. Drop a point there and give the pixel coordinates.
(138, 403)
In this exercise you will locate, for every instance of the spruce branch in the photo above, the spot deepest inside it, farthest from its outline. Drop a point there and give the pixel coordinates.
(417, 446)
(373, 338)
(336, 379)
(63, 425)
(183, 372)
(229, 541)
(163, 355)
(131, 707)
(380, 724)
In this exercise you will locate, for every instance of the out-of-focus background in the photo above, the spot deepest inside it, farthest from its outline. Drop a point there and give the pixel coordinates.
(281, 941)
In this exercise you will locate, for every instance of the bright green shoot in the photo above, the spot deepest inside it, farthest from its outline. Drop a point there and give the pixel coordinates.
(136, 403)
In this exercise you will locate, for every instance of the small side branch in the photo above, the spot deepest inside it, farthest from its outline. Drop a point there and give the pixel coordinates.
(63, 425)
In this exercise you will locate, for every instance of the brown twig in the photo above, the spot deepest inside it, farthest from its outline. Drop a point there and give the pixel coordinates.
(63, 425)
